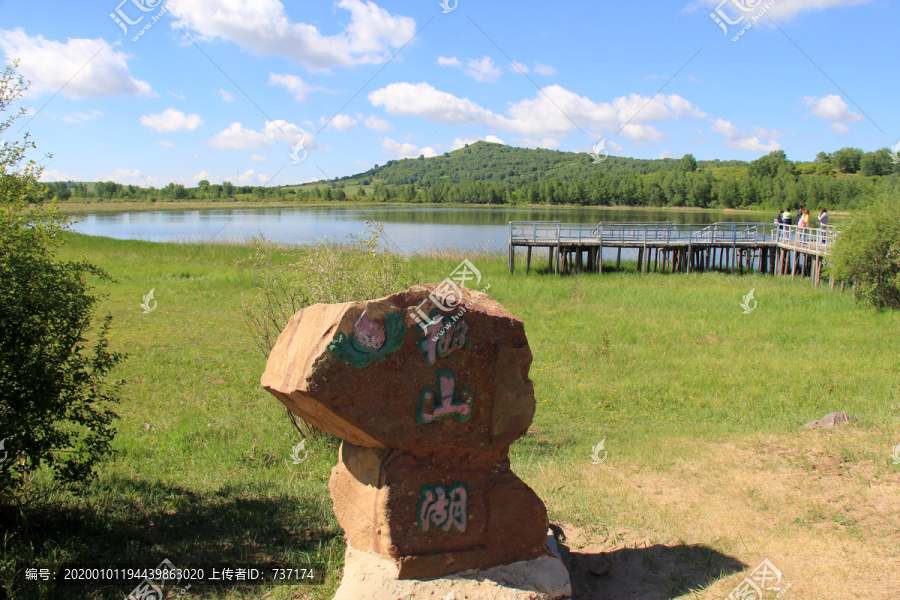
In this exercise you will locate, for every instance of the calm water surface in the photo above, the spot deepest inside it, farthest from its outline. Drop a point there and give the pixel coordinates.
(408, 229)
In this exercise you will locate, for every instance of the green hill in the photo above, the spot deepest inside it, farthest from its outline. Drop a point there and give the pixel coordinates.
(487, 173)
(486, 161)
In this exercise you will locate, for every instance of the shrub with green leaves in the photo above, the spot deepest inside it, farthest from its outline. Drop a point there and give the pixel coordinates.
(55, 401)
(868, 251)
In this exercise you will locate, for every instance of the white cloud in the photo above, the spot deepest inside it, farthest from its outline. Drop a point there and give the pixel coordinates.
(237, 137)
(376, 124)
(405, 149)
(479, 69)
(341, 121)
(517, 67)
(423, 100)
(137, 177)
(782, 9)
(172, 120)
(54, 175)
(166, 143)
(736, 140)
(548, 143)
(641, 135)
(544, 69)
(78, 117)
(832, 108)
(258, 158)
(482, 69)
(461, 142)
(296, 86)
(264, 27)
(666, 154)
(245, 178)
(839, 128)
(772, 134)
(125, 176)
(226, 96)
(555, 111)
(79, 68)
(614, 146)
(178, 95)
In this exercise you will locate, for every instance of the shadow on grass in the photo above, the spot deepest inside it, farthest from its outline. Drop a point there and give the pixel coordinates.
(143, 522)
(654, 573)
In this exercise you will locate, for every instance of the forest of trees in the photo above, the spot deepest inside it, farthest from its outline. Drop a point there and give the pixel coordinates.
(486, 173)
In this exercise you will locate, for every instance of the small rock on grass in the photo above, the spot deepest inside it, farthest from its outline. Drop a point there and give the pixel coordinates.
(830, 420)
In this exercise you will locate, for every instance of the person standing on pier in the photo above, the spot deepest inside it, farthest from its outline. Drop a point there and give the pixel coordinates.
(786, 217)
(803, 223)
(823, 222)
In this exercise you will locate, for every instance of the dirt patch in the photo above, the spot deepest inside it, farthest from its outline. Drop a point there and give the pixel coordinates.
(826, 514)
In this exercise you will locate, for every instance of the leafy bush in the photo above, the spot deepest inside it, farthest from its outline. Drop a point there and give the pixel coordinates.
(868, 251)
(326, 273)
(54, 399)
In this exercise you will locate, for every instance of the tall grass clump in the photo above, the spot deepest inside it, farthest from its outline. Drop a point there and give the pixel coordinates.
(330, 272)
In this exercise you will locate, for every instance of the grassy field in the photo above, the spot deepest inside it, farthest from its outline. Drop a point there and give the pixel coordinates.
(705, 473)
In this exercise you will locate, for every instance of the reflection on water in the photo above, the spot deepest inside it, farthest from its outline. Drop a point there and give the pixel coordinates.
(409, 229)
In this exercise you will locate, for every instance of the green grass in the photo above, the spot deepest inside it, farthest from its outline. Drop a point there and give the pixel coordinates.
(653, 363)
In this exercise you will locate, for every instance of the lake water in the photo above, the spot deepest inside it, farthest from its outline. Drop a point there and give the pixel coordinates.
(408, 229)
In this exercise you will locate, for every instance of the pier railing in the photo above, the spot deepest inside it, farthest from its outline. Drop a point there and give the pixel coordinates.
(660, 232)
(807, 239)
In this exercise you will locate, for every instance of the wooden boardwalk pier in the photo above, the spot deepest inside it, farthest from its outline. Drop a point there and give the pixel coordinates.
(670, 247)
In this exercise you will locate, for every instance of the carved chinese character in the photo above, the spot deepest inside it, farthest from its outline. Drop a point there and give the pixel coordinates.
(444, 508)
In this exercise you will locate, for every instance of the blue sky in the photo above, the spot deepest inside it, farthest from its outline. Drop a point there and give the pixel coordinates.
(225, 89)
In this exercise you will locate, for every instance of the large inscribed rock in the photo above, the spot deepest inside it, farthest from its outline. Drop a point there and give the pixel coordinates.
(427, 400)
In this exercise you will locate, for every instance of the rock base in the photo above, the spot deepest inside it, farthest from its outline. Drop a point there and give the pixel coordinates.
(369, 576)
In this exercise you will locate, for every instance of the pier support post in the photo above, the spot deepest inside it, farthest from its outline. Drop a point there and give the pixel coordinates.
(528, 261)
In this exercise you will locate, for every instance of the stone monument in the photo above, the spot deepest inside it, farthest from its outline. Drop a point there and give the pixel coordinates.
(427, 389)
